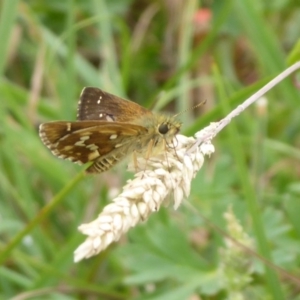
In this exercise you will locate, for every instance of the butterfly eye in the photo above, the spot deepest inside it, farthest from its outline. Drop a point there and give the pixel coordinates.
(163, 128)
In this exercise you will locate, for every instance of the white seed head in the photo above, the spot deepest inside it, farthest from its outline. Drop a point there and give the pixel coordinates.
(157, 181)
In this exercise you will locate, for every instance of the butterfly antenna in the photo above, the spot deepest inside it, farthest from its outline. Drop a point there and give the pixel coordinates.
(191, 108)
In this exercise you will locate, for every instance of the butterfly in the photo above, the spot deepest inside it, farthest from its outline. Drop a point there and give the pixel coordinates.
(108, 128)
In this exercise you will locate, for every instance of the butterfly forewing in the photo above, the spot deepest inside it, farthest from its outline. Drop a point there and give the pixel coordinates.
(88, 141)
(95, 104)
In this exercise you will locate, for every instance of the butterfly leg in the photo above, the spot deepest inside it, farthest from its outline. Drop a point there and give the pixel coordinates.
(149, 149)
(135, 161)
(147, 155)
(165, 145)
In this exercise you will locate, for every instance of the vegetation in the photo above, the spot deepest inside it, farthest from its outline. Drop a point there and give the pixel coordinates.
(165, 55)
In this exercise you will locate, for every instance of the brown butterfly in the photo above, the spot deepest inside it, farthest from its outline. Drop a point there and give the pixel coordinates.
(108, 128)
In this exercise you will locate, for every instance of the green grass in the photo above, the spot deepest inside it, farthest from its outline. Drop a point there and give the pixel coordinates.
(50, 50)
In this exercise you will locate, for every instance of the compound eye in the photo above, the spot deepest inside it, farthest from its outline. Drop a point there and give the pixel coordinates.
(163, 128)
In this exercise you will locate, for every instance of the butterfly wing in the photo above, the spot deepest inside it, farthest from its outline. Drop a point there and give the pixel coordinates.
(81, 144)
(95, 104)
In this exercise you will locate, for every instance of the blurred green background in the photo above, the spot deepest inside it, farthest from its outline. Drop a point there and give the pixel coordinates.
(167, 55)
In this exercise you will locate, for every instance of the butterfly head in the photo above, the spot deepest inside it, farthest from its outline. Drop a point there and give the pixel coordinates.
(169, 128)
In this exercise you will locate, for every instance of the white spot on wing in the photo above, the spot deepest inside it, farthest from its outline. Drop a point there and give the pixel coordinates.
(67, 148)
(113, 136)
(80, 144)
(92, 147)
(109, 118)
(71, 158)
(93, 155)
(85, 137)
(55, 152)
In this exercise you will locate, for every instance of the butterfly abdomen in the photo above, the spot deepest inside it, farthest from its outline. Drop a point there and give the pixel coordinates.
(103, 164)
